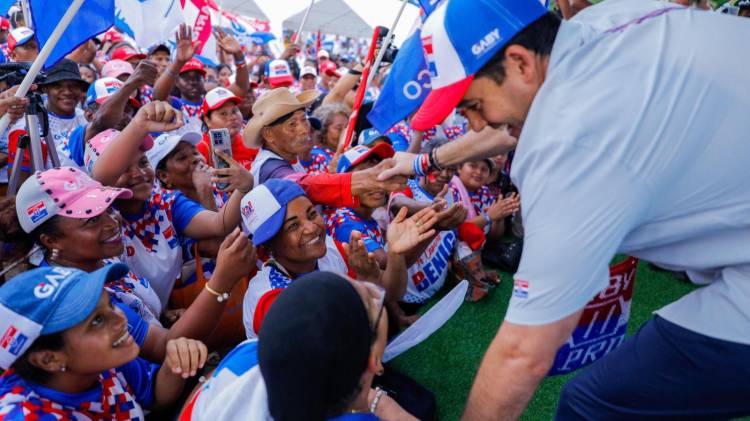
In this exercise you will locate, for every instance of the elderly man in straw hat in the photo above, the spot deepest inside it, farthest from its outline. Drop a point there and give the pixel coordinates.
(280, 130)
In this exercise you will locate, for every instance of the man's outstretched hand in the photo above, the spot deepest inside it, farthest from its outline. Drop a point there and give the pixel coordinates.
(369, 180)
(402, 165)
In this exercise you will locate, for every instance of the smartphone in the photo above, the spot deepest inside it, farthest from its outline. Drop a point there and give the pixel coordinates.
(220, 141)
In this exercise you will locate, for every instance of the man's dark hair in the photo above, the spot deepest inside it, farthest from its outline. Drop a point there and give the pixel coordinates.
(538, 37)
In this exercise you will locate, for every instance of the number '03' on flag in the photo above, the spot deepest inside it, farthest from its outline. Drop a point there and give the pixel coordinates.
(405, 88)
(93, 18)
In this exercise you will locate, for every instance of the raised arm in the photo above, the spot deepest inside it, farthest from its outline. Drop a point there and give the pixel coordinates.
(183, 53)
(345, 84)
(229, 45)
(110, 113)
(469, 147)
(157, 116)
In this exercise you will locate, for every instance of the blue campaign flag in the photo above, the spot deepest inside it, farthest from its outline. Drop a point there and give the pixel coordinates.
(5, 6)
(262, 38)
(405, 88)
(93, 18)
(428, 6)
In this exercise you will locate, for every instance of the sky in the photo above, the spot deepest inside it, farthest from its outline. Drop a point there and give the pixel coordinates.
(374, 12)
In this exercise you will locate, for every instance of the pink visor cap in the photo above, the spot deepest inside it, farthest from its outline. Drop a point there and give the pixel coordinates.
(63, 191)
(96, 146)
(454, 52)
(115, 68)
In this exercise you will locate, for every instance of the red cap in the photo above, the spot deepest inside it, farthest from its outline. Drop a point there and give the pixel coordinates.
(4, 24)
(439, 103)
(217, 97)
(127, 52)
(113, 36)
(194, 64)
(328, 67)
(279, 74)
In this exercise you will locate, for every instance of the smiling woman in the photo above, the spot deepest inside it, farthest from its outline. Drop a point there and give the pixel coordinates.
(279, 216)
(70, 351)
(71, 217)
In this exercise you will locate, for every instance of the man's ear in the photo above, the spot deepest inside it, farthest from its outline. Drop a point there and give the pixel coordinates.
(521, 62)
(268, 135)
(52, 361)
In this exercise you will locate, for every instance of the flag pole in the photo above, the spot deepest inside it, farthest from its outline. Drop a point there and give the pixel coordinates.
(304, 20)
(36, 66)
(26, 11)
(360, 96)
(386, 43)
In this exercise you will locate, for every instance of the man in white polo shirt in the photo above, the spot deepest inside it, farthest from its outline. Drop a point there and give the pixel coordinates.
(632, 139)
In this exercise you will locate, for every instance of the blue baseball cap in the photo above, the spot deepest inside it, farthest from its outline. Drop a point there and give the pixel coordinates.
(47, 300)
(354, 156)
(263, 209)
(369, 136)
(455, 51)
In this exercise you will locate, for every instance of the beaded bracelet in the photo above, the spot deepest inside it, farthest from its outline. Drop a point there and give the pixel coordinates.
(421, 165)
(378, 394)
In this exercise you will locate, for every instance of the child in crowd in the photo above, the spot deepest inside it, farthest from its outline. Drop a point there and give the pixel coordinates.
(68, 354)
(487, 211)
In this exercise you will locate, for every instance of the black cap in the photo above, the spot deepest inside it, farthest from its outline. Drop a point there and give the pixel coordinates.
(158, 47)
(313, 347)
(65, 70)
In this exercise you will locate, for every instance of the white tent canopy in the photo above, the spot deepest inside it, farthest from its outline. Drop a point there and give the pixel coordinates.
(331, 17)
(243, 7)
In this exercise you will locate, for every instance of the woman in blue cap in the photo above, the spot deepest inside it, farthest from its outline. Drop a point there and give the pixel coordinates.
(68, 354)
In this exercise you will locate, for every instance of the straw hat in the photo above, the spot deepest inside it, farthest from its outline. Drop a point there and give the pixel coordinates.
(272, 105)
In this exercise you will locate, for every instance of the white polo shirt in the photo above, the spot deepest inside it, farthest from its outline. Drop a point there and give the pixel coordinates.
(637, 142)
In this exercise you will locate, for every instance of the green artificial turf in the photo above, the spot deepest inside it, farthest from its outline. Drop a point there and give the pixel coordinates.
(447, 361)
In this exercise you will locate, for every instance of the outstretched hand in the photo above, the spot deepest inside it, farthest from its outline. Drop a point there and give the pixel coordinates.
(503, 207)
(185, 46)
(402, 166)
(452, 217)
(362, 262)
(404, 234)
(226, 42)
(365, 181)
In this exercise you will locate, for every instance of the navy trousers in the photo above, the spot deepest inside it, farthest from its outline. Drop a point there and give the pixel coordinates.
(662, 372)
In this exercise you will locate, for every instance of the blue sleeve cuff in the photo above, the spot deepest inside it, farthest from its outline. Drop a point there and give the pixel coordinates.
(184, 210)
